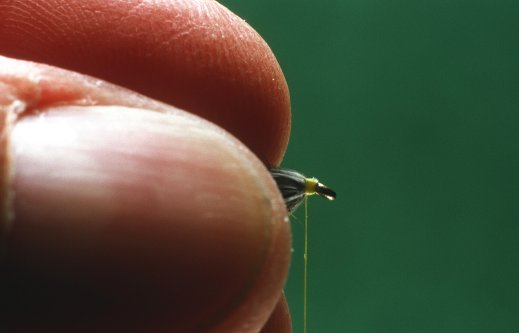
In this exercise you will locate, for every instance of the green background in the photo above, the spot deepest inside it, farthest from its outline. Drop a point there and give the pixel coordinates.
(410, 110)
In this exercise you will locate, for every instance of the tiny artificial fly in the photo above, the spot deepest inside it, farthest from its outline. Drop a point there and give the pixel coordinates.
(295, 188)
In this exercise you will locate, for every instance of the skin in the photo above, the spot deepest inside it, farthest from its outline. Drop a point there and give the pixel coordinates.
(121, 213)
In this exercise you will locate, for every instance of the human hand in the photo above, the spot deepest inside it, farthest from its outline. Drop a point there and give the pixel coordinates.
(121, 213)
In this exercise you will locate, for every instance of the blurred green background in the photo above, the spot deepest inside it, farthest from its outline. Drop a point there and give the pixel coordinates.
(410, 110)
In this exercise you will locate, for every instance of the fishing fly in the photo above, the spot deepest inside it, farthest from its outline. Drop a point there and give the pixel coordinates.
(295, 188)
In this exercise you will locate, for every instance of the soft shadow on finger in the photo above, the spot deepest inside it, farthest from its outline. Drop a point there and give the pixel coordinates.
(280, 320)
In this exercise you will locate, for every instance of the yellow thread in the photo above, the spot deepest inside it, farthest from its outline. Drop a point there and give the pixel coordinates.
(310, 186)
(305, 258)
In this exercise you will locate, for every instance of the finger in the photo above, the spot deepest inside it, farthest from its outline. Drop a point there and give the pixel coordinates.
(129, 219)
(279, 321)
(194, 54)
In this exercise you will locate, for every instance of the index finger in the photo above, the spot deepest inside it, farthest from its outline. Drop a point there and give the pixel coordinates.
(195, 55)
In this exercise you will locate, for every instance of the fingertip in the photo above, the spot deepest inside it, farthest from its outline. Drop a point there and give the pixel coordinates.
(163, 220)
(196, 55)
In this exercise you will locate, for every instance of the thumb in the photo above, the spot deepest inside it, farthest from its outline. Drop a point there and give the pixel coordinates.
(127, 219)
